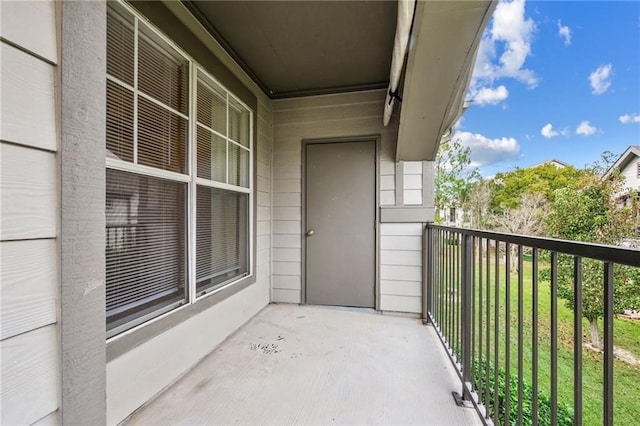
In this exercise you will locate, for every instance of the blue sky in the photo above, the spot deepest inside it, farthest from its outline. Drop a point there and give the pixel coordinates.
(554, 80)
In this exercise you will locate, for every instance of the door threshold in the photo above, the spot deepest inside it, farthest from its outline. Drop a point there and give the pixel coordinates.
(349, 308)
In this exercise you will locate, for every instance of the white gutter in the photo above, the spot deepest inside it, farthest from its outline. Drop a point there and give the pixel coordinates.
(400, 46)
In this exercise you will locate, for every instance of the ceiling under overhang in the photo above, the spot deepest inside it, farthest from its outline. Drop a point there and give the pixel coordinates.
(300, 48)
(297, 48)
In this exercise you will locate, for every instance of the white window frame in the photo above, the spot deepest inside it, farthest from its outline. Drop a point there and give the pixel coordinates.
(190, 177)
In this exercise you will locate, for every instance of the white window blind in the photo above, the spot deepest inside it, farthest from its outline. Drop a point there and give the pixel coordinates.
(145, 244)
(154, 186)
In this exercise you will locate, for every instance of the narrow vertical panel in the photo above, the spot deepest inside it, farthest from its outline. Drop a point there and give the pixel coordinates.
(82, 236)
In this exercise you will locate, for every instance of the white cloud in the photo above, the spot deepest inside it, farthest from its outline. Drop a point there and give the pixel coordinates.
(489, 95)
(564, 32)
(548, 132)
(485, 151)
(629, 118)
(510, 33)
(600, 79)
(585, 129)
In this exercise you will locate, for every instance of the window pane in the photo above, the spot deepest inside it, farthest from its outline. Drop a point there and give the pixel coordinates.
(120, 47)
(212, 156)
(221, 236)
(161, 74)
(239, 123)
(145, 245)
(162, 137)
(212, 107)
(119, 122)
(238, 166)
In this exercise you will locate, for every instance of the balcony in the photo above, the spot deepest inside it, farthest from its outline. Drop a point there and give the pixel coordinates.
(493, 308)
(318, 365)
(523, 355)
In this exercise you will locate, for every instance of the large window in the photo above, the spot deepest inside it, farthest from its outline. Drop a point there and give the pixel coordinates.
(178, 158)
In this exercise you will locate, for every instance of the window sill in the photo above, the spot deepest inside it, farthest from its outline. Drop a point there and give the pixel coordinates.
(123, 343)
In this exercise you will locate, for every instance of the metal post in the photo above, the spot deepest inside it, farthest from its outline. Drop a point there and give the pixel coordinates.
(427, 274)
(467, 368)
(608, 344)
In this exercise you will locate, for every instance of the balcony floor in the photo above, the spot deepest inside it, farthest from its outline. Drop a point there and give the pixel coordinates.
(317, 365)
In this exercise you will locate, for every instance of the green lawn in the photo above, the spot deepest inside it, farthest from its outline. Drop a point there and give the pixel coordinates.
(627, 336)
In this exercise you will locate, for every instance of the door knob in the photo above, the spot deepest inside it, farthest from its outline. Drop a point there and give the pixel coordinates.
(310, 232)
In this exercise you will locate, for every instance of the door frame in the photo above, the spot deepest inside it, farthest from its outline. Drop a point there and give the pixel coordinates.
(365, 138)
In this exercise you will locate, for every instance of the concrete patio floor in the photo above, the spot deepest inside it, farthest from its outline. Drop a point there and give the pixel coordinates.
(317, 365)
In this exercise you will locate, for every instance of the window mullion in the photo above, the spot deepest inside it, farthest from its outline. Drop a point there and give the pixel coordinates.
(192, 202)
(227, 139)
(135, 90)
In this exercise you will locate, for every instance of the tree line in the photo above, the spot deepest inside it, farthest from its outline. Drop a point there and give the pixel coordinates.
(565, 202)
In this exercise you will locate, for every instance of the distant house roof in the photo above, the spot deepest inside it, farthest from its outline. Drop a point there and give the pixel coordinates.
(555, 162)
(632, 152)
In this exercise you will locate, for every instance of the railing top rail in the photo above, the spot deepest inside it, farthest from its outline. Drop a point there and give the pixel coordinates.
(605, 253)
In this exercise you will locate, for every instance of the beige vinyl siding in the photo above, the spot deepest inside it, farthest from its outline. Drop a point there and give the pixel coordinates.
(630, 174)
(328, 116)
(401, 267)
(412, 183)
(138, 375)
(29, 215)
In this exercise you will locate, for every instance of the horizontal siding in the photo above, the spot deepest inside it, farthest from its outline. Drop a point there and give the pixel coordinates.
(340, 115)
(29, 277)
(412, 183)
(401, 304)
(264, 194)
(51, 419)
(29, 214)
(27, 99)
(30, 376)
(31, 25)
(401, 267)
(28, 193)
(286, 295)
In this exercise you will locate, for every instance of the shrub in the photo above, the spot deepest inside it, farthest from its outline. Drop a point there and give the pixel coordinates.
(565, 412)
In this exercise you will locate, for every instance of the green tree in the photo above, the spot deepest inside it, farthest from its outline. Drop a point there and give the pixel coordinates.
(590, 213)
(509, 187)
(454, 175)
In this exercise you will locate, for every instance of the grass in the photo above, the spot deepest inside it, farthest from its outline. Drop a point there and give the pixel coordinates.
(626, 336)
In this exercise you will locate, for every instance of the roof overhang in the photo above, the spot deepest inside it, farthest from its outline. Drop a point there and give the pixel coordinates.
(623, 161)
(445, 41)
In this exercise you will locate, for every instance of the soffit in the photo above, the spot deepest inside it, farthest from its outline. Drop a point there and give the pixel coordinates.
(305, 47)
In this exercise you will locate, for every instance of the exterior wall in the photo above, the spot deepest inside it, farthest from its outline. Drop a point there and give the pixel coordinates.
(341, 115)
(630, 174)
(401, 267)
(137, 374)
(29, 214)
